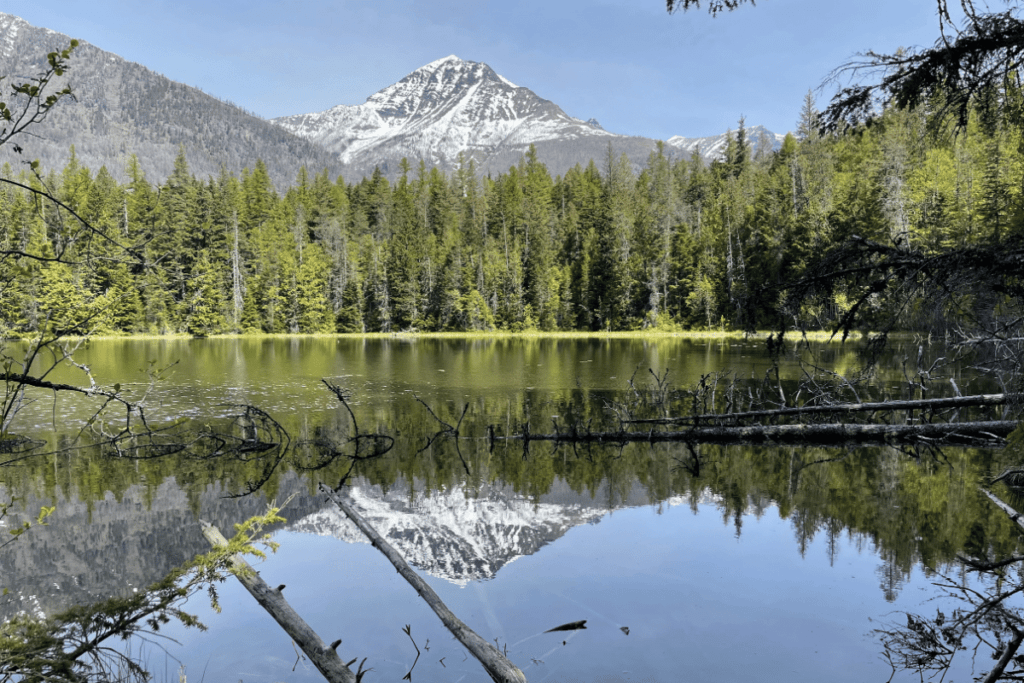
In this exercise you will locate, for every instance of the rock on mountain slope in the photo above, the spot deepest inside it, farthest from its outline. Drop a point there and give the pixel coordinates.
(451, 106)
(123, 108)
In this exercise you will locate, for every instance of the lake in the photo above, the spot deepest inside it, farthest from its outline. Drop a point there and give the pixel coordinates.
(759, 564)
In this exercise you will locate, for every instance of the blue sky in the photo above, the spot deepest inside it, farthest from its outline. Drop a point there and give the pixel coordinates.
(627, 63)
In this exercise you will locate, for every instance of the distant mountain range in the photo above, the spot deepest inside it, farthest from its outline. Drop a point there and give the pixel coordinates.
(440, 110)
(713, 147)
(454, 106)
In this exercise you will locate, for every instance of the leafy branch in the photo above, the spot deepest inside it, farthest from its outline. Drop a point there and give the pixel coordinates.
(73, 646)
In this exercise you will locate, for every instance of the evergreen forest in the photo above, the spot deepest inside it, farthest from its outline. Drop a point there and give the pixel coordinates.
(671, 245)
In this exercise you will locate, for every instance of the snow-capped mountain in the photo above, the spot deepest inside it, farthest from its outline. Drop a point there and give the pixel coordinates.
(451, 106)
(713, 147)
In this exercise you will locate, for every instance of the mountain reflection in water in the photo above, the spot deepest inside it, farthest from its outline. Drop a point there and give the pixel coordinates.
(459, 538)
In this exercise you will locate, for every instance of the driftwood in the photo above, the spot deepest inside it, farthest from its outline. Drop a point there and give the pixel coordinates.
(1008, 654)
(498, 667)
(918, 404)
(967, 433)
(324, 657)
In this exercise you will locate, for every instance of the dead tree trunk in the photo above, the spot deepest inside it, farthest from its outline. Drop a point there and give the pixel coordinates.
(962, 433)
(325, 658)
(498, 667)
(929, 403)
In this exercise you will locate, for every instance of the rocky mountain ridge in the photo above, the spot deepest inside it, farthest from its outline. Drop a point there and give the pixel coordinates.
(713, 147)
(454, 106)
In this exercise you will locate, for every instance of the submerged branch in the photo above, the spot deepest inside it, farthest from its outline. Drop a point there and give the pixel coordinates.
(932, 403)
(1008, 655)
(498, 667)
(324, 657)
(1013, 514)
(968, 433)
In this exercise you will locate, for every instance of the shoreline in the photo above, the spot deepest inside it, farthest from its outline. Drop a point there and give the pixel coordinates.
(715, 335)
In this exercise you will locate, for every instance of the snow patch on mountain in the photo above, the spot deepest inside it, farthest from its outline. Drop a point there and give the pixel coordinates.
(9, 25)
(713, 147)
(453, 106)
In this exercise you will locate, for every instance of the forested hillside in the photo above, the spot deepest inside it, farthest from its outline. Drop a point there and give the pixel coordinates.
(679, 245)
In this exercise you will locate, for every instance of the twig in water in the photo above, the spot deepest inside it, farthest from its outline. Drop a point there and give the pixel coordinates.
(298, 656)
(408, 632)
(434, 415)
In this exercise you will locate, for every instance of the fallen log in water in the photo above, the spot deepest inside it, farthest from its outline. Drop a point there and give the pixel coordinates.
(960, 433)
(325, 658)
(917, 404)
(1013, 514)
(498, 667)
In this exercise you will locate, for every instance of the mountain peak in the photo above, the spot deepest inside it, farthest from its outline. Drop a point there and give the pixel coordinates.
(446, 108)
(450, 59)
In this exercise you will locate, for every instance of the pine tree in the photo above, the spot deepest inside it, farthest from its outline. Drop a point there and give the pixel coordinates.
(315, 316)
(204, 307)
(542, 281)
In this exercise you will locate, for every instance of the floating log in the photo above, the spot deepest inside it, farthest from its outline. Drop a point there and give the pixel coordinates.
(962, 433)
(498, 667)
(272, 600)
(924, 403)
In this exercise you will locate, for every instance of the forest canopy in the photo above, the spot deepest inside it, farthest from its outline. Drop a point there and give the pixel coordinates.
(675, 245)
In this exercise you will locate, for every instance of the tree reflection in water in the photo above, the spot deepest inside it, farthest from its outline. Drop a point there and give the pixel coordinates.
(981, 614)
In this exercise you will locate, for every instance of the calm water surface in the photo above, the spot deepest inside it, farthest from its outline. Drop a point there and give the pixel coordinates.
(766, 564)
